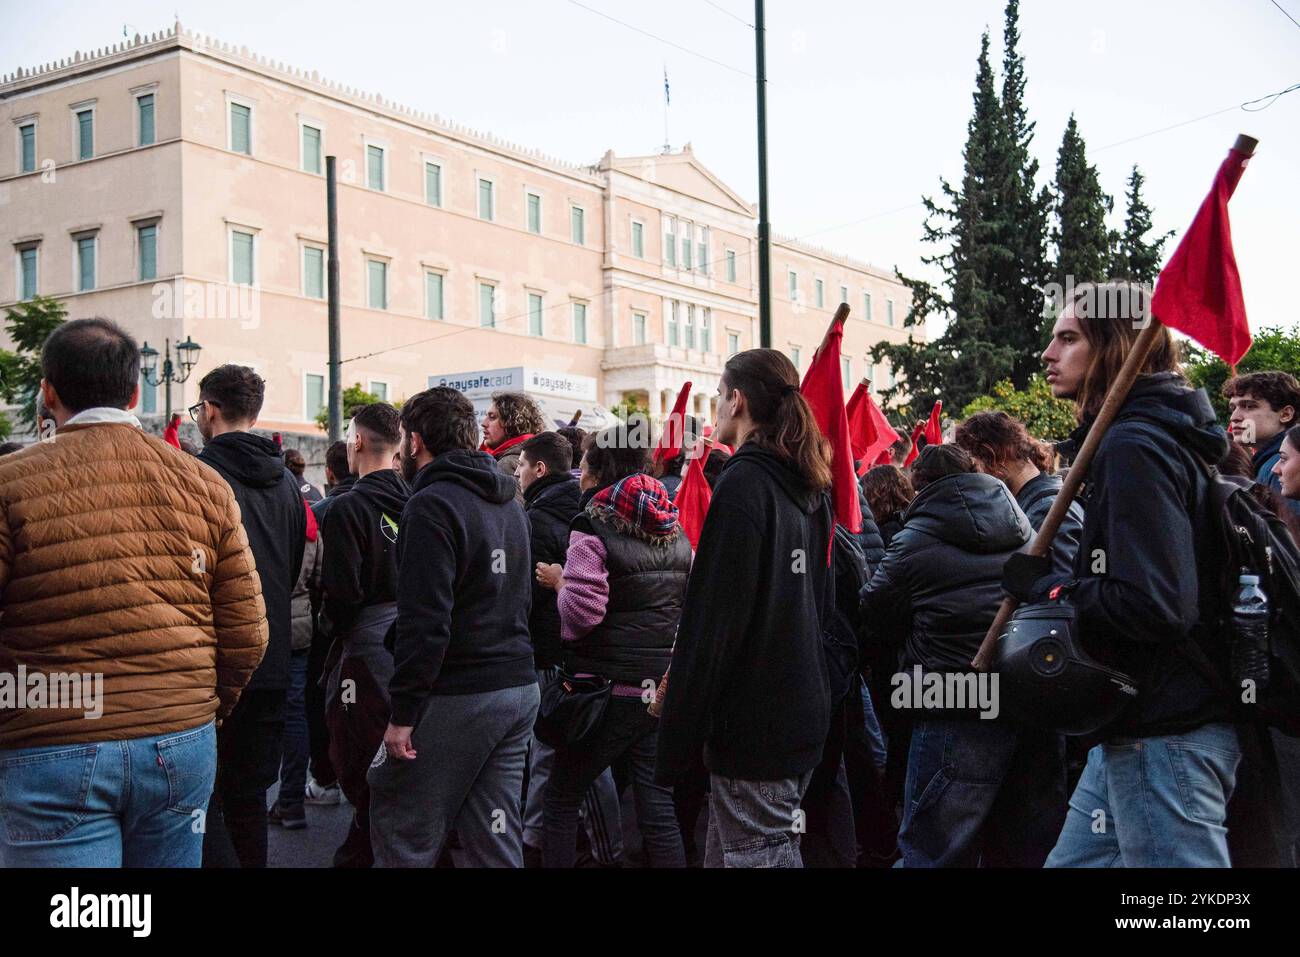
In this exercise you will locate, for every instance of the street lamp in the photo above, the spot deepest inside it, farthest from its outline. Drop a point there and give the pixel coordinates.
(187, 356)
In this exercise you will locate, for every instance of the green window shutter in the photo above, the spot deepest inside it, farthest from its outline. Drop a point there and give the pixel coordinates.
(534, 314)
(85, 134)
(733, 343)
(148, 252)
(311, 149)
(670, 249)
(145, 105)
(534, 213)
(486, 301)
(313, 272)
(638, 240)
(86, 264)
(687, 262)
(375, 167)
(821, 293)
(579, 227)
(378, 282)
(28, 136)
(794, 357)
(148, 396)
(433, 184)
(889, 311)
(433, 295)
(241, 129)
(794, 286)
(579, 322)
(379, 390)
(638, 329)
(866, 306)
(315, 396)
(485, 210)
(28, 257)
(731, 265)
(241, 257)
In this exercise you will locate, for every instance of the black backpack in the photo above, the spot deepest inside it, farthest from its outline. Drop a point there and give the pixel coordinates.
(1248, 535)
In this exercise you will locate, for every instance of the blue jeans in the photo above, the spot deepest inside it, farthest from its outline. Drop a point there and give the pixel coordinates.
(1153, 802)
(981, 792)
(297, 749)
(875, 733)
(135, 803)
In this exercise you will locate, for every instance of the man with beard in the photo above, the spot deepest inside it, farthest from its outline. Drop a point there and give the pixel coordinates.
(249, 743)
(359, 582)
(464, 693)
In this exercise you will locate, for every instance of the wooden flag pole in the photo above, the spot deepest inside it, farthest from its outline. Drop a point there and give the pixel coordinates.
(1119, 391)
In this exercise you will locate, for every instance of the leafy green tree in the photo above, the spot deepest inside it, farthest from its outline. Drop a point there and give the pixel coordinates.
(1083, 243)
(1136, 257)
(1273, 348)
(28, 324)
(354, 397)
(1044, 415)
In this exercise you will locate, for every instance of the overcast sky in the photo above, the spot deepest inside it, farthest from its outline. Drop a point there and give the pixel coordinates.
(867, 106)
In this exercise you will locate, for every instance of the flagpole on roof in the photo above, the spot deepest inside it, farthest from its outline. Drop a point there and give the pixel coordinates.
(764, 227)
(667, 146)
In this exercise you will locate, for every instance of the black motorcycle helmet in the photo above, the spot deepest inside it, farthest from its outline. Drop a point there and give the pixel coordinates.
(1048, 680)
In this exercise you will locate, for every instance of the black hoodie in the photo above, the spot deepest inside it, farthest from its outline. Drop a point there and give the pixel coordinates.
(940, 584)
(275, 520)
(748, 678)
(464, 585)
(359, 566)
(551, 503)
(1146, 542)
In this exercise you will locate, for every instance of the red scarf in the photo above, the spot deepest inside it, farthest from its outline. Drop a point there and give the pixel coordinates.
(508, 443)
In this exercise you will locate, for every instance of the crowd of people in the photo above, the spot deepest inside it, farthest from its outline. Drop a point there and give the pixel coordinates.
(466, 588)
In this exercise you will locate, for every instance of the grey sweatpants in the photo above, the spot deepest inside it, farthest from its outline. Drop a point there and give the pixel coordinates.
(468, 774)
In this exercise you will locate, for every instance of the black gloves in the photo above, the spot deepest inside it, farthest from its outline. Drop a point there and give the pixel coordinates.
(1025, 577)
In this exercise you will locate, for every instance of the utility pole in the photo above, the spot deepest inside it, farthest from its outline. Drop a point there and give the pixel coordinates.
(764, 227)
(336, 373)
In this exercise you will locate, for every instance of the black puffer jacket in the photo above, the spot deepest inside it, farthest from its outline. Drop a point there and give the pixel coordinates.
(870, 540)
(551, 504)
(940, 584)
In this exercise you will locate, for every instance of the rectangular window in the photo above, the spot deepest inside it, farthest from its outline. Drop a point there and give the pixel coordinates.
(795, 357)
(241, 129)
(673, 337)
(85, 263)
(690, 327)
(486, 207)
(820, 289)
(892, 378)
(577, 224)
(706, 331)
(638, 240)
(866, 306)
(144, 106)
(889, 312)
(375, 167)
(844, 293)
(687, 262)
(241, 258)
(638, 328)
(27, 141)
(379, 390)
(313, 272)
(148, 242)
(670, 243)
(534, 213)
(731, 265)
(27, 257)
(846, 370)
(433, 184)
(148, 396)
(311, 159)
(702, 252)
(733, 343)
(85, 134)
(794, 285)
(377, 282)
(313, 395)
(534, 314)
(487, 294)
(433, 306)
(580, 322)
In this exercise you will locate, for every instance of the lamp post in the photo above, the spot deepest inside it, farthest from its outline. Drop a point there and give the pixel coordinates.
(187, 357)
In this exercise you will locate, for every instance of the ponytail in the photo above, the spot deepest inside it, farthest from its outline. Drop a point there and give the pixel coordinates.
(783, 421)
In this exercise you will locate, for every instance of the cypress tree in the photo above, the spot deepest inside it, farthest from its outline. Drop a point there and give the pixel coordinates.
(1083, 244)
(1135, 257)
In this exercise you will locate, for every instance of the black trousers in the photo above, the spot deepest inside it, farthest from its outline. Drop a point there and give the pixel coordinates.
(249, 745)
(322, 769)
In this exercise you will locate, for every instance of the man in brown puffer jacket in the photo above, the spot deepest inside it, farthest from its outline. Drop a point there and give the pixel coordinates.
(131, 617)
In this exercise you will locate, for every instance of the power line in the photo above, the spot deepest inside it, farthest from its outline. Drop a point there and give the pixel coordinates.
(655, 36)
(716, 6)
(1271, 98)
(1279, 6)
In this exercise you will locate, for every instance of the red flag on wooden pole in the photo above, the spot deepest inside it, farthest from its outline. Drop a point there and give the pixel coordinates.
(933, 426)
(869, 430)
(693, 496)
(916, 434)
(670, 440)
(823, 388)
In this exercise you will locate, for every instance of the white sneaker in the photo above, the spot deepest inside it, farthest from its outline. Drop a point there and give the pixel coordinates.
(315, 794)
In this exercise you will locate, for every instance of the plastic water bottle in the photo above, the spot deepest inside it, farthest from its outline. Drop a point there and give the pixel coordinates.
(1250, 633)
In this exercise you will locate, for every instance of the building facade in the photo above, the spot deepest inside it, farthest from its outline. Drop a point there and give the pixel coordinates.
(177, 185)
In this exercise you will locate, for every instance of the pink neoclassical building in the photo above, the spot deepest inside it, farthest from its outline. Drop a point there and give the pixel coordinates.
(176, 184)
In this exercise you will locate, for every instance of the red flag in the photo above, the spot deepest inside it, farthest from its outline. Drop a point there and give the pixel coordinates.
(823, 388)
(1199, 291)
(171, 434)
(916, 434)
(670, 440)
(886, 457)
(693, 497)
(869, 430)
(933, 427)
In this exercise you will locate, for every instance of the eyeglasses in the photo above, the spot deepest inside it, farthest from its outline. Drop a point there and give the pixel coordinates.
(194, 409)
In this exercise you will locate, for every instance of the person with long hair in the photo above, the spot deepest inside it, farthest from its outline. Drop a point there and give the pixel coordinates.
(888, 492)
(1165, 770)
(748, 680)
(511, 420)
